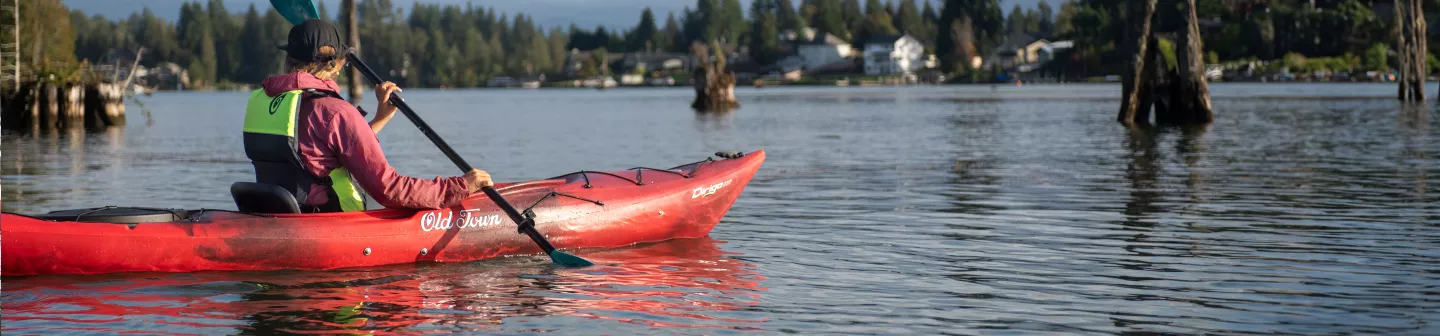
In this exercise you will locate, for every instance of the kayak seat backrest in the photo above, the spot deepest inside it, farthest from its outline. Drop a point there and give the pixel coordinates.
(263, 198)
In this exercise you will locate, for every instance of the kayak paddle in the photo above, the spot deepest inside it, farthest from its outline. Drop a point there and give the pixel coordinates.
(297, 11)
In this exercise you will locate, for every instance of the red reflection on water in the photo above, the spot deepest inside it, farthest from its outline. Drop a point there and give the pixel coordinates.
(685, 283)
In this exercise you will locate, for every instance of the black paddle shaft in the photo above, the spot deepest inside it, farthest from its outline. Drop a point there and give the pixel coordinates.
(527, 226)
(410, 113)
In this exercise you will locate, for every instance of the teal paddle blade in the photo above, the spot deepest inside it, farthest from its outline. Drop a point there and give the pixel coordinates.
(565, 259)
(296, 11)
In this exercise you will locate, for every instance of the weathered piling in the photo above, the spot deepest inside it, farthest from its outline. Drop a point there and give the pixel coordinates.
(714, 87)
(37, 105)
(1179, 97)
(104, 105)
(1190, 99)
(1411, 35)
(1136, 84)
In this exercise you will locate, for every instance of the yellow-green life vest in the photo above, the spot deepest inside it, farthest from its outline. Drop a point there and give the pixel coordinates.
(270, 128)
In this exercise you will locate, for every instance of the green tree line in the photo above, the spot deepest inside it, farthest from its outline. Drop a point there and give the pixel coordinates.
(1334, 35)
(45, 43)
(429, 45)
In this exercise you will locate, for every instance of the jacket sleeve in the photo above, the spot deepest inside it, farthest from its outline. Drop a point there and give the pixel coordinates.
(359, 152)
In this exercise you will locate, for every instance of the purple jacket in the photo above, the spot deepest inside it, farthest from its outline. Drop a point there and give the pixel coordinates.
(332, 134)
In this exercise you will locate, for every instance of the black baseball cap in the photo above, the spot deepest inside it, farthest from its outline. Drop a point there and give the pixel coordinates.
(308, 37)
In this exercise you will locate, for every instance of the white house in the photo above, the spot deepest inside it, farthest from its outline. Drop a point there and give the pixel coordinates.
(1020, 50)
(823, 50)
(900, 54)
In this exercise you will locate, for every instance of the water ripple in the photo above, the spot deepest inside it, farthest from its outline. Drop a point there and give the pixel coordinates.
(947, 210)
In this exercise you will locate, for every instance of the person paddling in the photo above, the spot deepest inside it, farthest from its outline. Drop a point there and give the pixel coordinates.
(302, 136)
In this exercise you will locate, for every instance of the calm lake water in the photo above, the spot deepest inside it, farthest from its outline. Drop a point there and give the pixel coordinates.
(1306, 209)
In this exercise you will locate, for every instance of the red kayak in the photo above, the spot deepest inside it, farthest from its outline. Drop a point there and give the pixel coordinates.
(588, 209)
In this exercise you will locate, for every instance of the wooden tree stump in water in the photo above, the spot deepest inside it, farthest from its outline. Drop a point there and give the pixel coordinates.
(1180, 97)
(49, 106)
(45, 106)
(714, 87)
(1190, 99)
(1135, 85)
(1411, 47)
(72, 106)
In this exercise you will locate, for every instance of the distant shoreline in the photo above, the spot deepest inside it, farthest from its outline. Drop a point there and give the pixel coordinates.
(849, 87)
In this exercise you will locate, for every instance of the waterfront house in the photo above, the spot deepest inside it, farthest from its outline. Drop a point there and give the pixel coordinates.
(824, 49)
(1024, 57)
(790, 39)
(1025, 50)
(656, 61)
(896, 54)
(575, 62)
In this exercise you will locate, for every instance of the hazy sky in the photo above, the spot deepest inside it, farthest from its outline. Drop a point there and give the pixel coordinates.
(586, 13)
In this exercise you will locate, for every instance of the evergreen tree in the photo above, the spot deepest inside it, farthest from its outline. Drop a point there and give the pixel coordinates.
(909, 20)
(664, 40)
(197, 44)
(150, 32)
(1047, 18)
(877, 23)
(929, 14)
(601, 38)
(729, 22)
(873, 6)
(765, 29)
(807, 9)
(276, 30)
(789, 19)
(188, 29)
(252, 34)
(88, 37)
(540, 59)
(1031, 22)
(579, 38)
(475, 54)
(854, 16)
(691, 29)
(225, 30)
(967, 27)
(706, 19)
(829, 19)
(641, 39)
(203, 69)
(1015, 22)
(1064, 21)
(558, 52)
(931, 25)
(735, 15)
